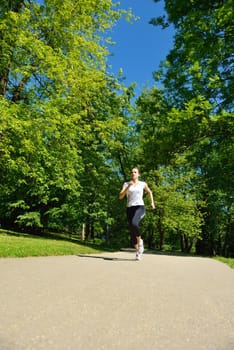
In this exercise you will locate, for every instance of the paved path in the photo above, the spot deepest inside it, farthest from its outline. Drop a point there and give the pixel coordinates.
(111, 302)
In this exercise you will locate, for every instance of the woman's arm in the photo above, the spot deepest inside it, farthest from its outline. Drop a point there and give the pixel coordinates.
(150, 194)
(124, 190)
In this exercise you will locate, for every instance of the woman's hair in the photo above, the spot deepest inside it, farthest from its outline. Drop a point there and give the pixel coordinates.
(137, 168)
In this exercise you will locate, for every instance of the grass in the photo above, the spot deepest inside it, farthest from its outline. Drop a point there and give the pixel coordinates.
(23, 245)
(228, 261)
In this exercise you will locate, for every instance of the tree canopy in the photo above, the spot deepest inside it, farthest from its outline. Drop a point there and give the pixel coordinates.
(201, 61)
(59, 110)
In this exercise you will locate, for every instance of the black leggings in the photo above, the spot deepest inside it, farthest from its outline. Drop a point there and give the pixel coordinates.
(134, 216)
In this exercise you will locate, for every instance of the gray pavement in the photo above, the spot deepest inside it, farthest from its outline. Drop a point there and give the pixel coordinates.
(111, 302)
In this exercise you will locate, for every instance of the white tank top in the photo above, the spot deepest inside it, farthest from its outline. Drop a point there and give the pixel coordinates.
(135, 194)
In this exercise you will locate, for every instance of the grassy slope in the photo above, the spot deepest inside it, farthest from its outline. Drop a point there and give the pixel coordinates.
(21, 245)
(228, 261)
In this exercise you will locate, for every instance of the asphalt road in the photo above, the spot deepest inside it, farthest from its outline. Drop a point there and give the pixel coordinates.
(112, 302)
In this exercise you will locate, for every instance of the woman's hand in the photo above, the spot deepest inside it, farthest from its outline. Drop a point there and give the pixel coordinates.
(124, 190)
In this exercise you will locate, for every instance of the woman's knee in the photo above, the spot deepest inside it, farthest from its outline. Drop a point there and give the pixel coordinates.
(135, 226)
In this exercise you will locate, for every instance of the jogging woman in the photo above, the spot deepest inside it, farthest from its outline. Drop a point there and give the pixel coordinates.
(134, 190)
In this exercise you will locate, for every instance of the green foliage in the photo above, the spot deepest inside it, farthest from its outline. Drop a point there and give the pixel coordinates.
(177, 219)
(188, 148)
(61, 114)
(29, 219)
(202, 58)
(186, 130)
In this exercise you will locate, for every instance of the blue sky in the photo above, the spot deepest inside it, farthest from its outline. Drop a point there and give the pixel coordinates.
(140, 46)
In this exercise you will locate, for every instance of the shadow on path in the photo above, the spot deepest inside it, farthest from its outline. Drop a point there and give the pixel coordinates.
(104, 257)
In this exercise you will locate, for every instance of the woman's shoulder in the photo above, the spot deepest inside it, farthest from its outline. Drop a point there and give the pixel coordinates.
(142, 183)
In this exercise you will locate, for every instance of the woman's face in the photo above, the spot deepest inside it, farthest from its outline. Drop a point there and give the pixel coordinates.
(134, 173)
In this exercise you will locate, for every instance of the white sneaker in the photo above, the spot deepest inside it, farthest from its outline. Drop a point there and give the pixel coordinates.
(138, 256)
(141, 247)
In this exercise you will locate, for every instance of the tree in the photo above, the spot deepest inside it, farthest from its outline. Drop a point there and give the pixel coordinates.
(197, 79)
(177, 220)
(189, 144)
(201, 61)
(56, 107)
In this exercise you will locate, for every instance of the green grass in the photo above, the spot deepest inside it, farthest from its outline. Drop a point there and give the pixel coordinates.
(22, 245)
(228, 261)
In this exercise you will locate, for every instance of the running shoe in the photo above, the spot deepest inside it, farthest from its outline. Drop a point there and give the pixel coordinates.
(141, 247)
(138, 256)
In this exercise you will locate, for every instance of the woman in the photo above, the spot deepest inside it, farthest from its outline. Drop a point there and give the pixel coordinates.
(134, 191)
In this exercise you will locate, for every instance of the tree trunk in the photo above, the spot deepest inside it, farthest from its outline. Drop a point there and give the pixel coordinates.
(14, 6)
(3, 81)
(87, 231)
(185, 243)
(18, 90)
(83, 232)
(160, 230)
(150, 236)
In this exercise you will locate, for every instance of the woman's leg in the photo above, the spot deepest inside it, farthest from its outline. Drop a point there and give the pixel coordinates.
(136, 246)
(134, 215)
